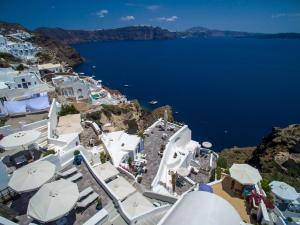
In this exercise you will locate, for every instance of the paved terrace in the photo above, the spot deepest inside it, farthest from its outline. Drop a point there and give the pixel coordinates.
(152, 144)
(203, 176)
(223, 189)
(76, 216)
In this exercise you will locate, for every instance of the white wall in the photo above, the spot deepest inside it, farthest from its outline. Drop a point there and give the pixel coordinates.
(53, 119)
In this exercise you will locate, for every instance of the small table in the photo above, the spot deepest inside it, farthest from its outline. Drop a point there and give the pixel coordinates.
(20, 160)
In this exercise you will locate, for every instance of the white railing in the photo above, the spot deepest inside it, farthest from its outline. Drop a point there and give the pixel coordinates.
(35, 125)
(149, 213)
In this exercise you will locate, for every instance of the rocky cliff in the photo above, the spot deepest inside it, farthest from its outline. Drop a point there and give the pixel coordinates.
(127, 116)
(118, 34)
(277, 157)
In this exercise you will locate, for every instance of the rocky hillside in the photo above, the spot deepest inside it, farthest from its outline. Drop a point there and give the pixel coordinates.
(51, 50)
(129, 116)
(118, 34)
(56, 51)
(277, 157)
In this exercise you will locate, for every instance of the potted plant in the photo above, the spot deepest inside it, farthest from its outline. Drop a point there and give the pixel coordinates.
(139, 178)
(77, 157)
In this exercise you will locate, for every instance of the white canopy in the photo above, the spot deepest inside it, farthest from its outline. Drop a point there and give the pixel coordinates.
(53, 201)
(199, 207)
(245, 174)
(137, 204)
(121, 188)
(32, 176)
(106, 170)
(182, 171)
(20, 139)
(284, 191)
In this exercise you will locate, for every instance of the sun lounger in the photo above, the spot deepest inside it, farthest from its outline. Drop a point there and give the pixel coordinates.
(68, 172)
(87, 201)
(85, 192)
(75, 177)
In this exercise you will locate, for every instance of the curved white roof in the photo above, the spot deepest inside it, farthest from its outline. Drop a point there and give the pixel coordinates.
(202, 208)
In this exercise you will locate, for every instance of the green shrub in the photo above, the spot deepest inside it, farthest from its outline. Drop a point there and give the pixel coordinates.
(76, 152)
(49, 152)
(20, 67)
(68, 109)
(265, 185)
(218, 173)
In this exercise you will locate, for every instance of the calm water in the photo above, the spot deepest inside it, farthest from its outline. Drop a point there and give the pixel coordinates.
(229, 91)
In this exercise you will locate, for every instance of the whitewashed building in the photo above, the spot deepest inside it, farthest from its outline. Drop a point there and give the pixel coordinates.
(121, 146)
(50, 68)
(21, 49)
(71, 86)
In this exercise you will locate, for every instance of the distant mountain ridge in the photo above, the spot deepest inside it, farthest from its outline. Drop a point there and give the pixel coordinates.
(149, 33)
(195, 32)
(118, 34)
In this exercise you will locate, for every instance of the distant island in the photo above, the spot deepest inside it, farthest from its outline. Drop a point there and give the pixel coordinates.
(148, 33)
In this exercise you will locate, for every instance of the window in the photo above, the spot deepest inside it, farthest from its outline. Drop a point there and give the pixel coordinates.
(34, 82)
(19, 85)
(29, 83)
(23, 79)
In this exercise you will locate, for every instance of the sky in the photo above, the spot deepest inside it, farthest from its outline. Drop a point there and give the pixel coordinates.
(268, 16)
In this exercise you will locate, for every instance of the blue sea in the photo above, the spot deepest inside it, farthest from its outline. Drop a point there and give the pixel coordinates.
(229, 91)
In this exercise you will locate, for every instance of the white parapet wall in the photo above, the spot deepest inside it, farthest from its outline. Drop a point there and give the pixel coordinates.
(177, 141)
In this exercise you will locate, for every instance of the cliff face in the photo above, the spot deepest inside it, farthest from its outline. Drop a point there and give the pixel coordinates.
(51, 50)
(55, 51)
(277, 157)
(119, 34)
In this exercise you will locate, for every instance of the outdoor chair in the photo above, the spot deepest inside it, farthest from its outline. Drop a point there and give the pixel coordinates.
(85, 193)
(67, 172)
(87, 201)
(75, 177)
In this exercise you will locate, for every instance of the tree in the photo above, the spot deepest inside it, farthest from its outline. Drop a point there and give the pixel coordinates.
(129, 161)
(103, 157)
(173, 181)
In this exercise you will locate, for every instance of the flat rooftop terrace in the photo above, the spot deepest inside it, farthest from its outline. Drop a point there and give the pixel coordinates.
(154, 139)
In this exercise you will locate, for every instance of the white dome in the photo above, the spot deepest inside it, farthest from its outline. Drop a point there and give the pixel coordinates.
(202, 208)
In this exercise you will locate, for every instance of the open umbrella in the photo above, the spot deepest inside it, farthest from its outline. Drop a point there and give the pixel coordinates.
(284, 191)
(19, 139)
(32, 176)
(53, 201)
(182, 171)
(245, 174)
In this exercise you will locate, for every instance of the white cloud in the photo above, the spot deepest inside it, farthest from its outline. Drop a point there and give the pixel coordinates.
(102, 13)
(153, 7)
(278, 15)
(168, 19)
(130, 4)
(127, 18)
